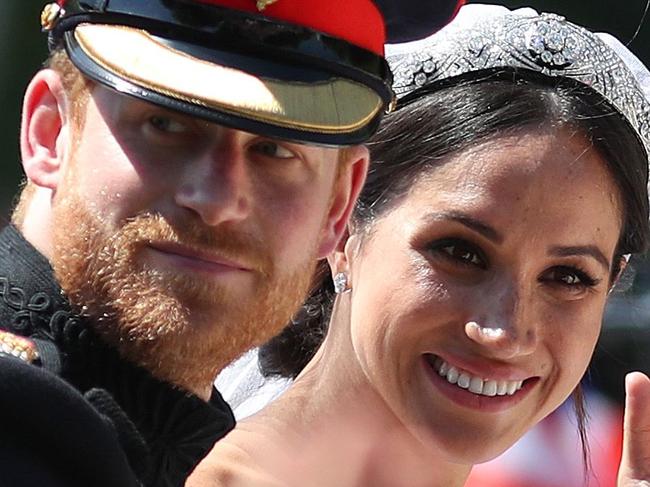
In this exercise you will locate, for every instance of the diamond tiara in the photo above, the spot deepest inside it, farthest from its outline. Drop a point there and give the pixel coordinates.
(545, 44)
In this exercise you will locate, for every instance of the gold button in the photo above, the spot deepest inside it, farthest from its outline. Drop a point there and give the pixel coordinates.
(50, 14)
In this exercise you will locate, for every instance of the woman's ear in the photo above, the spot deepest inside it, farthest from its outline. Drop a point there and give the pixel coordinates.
(43, 136)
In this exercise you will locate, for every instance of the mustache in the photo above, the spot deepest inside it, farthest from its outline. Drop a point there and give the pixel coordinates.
(235, 245)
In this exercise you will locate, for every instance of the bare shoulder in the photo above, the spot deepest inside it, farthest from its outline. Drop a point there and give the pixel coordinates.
(228, 465)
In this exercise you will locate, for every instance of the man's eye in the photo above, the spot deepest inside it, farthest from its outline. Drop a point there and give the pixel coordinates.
(167, 124)
(272, 149)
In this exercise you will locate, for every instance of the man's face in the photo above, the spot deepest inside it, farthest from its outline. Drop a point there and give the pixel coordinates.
(189, 242)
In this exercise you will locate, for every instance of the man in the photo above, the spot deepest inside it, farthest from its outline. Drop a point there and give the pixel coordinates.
(184, 175)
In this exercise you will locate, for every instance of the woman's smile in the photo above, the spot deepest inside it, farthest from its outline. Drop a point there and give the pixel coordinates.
(477, 391)
(474, 264)
(495, 220)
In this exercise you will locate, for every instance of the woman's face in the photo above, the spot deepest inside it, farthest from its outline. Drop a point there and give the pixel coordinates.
(477, 300)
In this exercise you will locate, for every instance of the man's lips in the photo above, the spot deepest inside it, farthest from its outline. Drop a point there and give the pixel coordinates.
(197, 257)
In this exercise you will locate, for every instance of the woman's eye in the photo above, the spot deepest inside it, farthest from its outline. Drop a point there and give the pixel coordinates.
(460, 252)
(570, 277)
(268, 148)
(167, 124)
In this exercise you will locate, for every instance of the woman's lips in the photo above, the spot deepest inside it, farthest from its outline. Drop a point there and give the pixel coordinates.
(485, 368)
(473, 391)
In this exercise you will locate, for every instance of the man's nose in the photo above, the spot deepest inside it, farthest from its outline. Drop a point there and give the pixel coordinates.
(506, 326)
(216, 185)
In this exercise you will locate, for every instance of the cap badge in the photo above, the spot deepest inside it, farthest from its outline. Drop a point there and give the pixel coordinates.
(262, 4)
(50, 14)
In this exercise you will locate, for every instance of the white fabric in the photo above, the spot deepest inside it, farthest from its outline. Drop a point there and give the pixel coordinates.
(244, 387)
(467, 16)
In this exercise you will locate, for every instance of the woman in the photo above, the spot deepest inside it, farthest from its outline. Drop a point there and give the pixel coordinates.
(507, 191)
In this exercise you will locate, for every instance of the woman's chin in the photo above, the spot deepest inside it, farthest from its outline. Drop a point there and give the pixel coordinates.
(467, 436)
(475, 452)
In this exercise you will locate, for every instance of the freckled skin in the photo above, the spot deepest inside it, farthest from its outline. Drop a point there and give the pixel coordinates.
(536, 191)
(510, 235)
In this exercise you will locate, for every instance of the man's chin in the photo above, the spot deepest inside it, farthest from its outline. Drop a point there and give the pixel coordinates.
(188, 342)
(184, 329)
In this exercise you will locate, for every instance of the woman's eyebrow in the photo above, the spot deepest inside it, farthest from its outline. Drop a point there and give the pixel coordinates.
(586, 250)
(472, 223)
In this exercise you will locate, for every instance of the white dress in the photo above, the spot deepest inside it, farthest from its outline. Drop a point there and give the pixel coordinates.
(245, 389)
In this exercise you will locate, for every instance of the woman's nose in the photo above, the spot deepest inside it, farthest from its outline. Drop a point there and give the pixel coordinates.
(507, 329)
(502, 342)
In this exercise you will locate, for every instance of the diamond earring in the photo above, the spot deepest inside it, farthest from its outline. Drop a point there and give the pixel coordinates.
(341, 283)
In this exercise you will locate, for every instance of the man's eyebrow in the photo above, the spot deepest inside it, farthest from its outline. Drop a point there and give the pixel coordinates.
(472, 223)
(587, 250)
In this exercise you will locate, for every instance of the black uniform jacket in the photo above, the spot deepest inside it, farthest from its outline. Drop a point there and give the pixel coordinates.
(79, 415)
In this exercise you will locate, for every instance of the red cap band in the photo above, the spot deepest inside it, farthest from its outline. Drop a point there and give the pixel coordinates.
(357, 21)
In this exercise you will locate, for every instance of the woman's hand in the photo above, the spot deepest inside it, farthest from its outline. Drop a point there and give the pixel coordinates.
(635, 462)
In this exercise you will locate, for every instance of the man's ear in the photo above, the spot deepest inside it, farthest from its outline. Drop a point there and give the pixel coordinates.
(338, 259)
(43, 135)
(346, 191)
(342, 258)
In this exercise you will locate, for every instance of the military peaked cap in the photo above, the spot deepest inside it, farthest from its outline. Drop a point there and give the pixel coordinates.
(305, 70)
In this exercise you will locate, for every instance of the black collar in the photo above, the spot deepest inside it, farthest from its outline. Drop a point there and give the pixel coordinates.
(176, 427)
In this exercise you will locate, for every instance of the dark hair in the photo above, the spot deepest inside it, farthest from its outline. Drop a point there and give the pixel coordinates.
(437, 121)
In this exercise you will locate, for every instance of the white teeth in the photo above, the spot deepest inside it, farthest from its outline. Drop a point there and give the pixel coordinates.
(444, 367)
(490, 388)
(452, 375)
(477, 385)
(463, 380)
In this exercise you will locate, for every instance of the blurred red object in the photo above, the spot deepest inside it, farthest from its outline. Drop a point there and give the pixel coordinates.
(550, 455)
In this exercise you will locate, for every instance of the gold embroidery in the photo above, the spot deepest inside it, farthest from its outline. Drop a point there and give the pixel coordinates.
(262, 4)
(17, 346)
(50, 14)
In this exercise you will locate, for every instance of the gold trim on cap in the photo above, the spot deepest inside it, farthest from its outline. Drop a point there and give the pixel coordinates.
(18, 346)
(50, 14)
(334, 106)
(262, 4)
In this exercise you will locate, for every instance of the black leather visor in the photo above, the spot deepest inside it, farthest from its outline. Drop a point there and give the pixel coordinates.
(286, 80)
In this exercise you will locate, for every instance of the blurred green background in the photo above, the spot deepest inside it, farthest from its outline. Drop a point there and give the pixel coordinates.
(23, 49)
